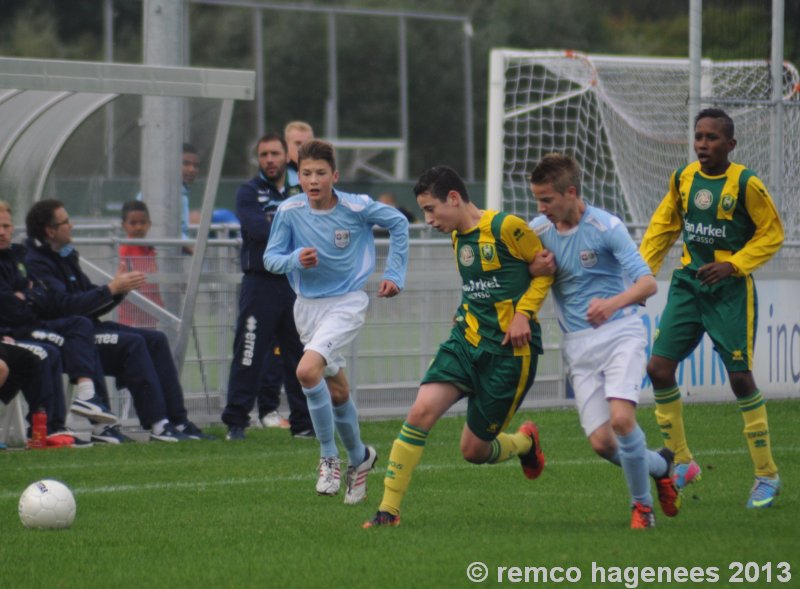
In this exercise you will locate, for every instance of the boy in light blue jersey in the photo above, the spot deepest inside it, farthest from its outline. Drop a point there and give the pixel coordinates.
(600, 277)
(322, 239)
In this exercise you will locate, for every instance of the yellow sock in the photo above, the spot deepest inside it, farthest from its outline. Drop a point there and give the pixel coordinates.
(669, 415)
(506, 446)
(403, 459)
(756, 432)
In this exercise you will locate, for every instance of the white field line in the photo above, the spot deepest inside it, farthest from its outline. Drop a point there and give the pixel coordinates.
(267, 479)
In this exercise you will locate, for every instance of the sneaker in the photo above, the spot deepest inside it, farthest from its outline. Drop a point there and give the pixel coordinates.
(668, 495)
(235, 434)
(306, 434)
(685, 473)
(273, 419)
(93, 409)
(764, 492)
(111, 435)
(60, 439)
(356, 478)
(382, 518)
(79, 444)
(532, 462)
(169, 434)
(194, 432)
(329, 472)
(642, 517)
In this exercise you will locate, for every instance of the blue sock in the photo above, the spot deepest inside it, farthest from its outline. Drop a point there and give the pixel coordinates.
(656, 464)
(321, 410)
(633, 456)
(346, 419)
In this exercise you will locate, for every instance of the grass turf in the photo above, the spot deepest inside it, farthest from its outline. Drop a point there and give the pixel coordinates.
(220, 514)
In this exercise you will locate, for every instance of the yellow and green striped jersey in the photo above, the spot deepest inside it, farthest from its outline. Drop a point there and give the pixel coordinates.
(492, 260)
(725, 218)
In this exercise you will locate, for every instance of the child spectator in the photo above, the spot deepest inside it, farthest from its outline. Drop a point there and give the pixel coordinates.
(142, 258)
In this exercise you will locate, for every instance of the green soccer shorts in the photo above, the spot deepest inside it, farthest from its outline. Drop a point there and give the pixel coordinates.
(494, 385)
(727, 311)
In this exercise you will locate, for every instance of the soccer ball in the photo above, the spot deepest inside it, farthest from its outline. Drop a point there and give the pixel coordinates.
(47, 504)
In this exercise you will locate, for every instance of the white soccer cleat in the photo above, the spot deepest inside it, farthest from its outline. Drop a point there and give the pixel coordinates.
(273, 419)
(329, 481)
(356, 478)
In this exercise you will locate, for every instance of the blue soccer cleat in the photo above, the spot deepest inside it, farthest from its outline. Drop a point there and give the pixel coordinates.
(764, 492)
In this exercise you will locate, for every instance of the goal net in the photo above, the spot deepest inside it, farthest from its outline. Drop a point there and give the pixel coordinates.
(626, 121)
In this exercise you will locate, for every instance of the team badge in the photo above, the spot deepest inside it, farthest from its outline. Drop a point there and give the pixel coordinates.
(703, 199)
(466, 256)
(727, 202)
(487, 252)
(341, 238)
(588, 258)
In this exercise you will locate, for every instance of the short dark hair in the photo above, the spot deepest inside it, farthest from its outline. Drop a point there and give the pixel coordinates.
(719, 114)
(189, 148)
(40, 217)
(439, 181)
(316, 149)
(560, 170)
(272, 136)
(133, 206)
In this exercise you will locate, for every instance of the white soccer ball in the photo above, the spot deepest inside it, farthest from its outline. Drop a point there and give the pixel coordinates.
(47, 504)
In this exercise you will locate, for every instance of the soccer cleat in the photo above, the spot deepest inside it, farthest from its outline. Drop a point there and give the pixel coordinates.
(168, 434)
(382, 519)
(235, 434)
(194, 432)
(273, 419)
(642, 517)
(110, 435)
(533, 461)
(356, 478)
(306, 434)
(93, 409)
(668, 495)
(686, 473)
(329, 472)
(764, 492)
(79, 444)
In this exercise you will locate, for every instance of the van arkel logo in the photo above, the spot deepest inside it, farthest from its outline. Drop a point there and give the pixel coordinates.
(341, 238)
(703, 199)
(466, 256)
(588, 258)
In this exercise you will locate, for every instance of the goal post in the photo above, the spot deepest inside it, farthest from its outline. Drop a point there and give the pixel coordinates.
(624, 119)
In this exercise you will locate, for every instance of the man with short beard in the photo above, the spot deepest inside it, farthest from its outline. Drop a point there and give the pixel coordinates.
(266, 301)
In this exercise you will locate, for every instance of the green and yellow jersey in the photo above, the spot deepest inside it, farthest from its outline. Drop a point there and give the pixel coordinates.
(492, 259)
(726, 218)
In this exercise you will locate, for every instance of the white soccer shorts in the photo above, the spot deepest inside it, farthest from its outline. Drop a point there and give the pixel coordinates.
(330, 324)
(605, 363)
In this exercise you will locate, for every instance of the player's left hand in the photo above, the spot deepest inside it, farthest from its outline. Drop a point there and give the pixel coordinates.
(388, 289)
(519, 332)
(714, 272)
(599, 311)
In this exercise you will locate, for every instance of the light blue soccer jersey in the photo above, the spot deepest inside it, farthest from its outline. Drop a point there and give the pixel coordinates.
(344, 242)
(596, 259)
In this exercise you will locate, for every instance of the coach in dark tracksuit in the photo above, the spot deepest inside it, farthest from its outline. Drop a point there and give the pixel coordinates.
(141, 358)
(36, 370)
(266, 300)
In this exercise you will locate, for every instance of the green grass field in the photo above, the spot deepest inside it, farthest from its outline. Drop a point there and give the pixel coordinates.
(218, 514)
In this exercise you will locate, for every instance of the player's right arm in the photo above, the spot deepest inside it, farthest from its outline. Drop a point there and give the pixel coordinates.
(281, 257)
(664, 229)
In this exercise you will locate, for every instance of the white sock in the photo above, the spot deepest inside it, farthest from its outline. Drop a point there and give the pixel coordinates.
(158, 428)
(85, 390)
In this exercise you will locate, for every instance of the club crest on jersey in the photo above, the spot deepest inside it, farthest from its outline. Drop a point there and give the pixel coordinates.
(588, 258)
(727, 202)
(341, 238)
(466, 256)
(703, 199)
(488, 252)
